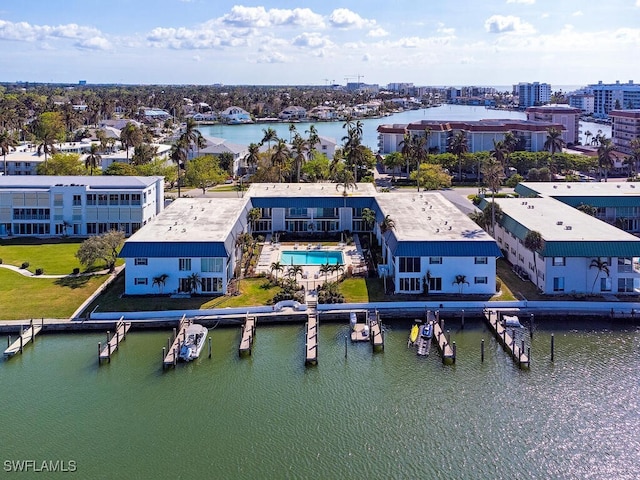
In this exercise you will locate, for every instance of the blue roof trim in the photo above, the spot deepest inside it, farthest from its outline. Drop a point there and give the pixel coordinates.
(525, 191)
(442, 248)
(172, 249)
(592, 249)
(312, 202)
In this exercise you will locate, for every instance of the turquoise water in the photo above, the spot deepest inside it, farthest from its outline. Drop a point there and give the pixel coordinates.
(389, 415)
(310, 257)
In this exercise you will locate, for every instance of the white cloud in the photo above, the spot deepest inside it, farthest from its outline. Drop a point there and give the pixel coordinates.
(345, 18)
(445, 31)
(527, 2)
(637, 3)
(259, 17)
(366, 57)
(94, 43)
(273, 57)
(577, 13)
(507, 24)
(377, 32)
(311, 40)
(26, 32)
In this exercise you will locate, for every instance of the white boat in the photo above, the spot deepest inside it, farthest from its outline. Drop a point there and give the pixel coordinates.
(511, 321)
(196, 335)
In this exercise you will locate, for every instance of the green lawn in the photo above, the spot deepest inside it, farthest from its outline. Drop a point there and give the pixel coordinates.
(56, 257)
(252, 293)
(25, 297)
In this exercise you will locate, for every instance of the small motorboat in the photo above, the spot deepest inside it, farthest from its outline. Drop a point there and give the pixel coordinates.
(511, 321)
(365, 331)
(194, 342)
(413, 335)
(427, 330)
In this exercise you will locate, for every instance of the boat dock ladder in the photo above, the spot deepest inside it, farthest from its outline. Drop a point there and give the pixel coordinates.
(508, 342)
(248, 332)
(26, 336)
(172, 350)
(113, 341)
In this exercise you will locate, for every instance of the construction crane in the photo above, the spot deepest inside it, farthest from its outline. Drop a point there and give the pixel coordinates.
(357, 75)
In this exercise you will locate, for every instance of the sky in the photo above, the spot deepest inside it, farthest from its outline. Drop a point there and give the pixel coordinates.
(276, 42)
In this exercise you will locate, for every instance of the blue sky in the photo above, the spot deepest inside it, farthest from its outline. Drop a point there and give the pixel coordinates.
(427, 42)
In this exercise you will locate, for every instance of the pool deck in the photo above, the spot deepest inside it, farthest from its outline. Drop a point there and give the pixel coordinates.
(311, 277)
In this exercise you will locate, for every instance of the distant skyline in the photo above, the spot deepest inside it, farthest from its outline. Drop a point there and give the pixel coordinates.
(488, 42)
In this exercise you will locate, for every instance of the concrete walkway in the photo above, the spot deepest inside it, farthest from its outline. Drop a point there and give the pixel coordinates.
(27, 273)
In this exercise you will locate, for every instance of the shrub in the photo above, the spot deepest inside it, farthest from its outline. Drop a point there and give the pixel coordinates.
(24, 265)
(0, 260)
(76, 271)
(39, 271)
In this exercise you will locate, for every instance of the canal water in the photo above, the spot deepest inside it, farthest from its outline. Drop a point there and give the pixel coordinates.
(253, 133)
(389, 415)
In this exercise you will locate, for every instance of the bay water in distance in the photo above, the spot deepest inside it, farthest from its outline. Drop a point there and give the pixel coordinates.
(389, 415)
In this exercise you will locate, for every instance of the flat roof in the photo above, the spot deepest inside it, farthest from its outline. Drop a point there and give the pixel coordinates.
(557, 221)
(583, 189)
(428, 216)
(191, 220)
(98, 181)
(258, 190)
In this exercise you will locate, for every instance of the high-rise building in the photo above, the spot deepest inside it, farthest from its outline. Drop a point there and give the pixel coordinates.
(614, 96)
(625, 127)
(532, 94)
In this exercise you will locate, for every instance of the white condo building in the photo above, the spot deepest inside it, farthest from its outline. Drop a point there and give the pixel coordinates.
(77, 205)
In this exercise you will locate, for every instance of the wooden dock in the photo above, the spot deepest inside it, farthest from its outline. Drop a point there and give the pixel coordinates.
(173, 345)
(24, 338)
(375, 329)
(248, 332)
(507, 341)
(311, 339)
(446, 350)
(113, 341)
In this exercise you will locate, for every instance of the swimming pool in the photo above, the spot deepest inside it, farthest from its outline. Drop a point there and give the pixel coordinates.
(311, 257)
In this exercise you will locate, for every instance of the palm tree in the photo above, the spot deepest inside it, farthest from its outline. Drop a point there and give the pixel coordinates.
(253, 156)
(292, 131)
(353, 149)
(634, 158)
(194, 282)
(493, 173)
(253, 216)
(294, 271)
(7, 142)
(160, 281)
(533, 241)
(280, 157)
(276, 267)
(406, 149)
(325, 269)
(554, 142)
(587, 135)
(313, 138)
(460, 281)
(458, 146)
(369, 219)
(387, 224)
(605, 157)
(499, 152)
(346, 181)
(93, 158)
(179, 156)
(420, 154)
(601, 266)
(338, 268)
(191, 136)
(299, 150)
(130, 136)
(269, 135)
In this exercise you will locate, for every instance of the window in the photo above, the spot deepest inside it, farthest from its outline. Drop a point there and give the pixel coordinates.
(124, 199)
(184, 264)
(435, 260)
(625, 265)
(113, 199)
(102, 199)
(211, 264)
(135, 226)
(409, 264)
(558, 261)
(411, 284)
(211, 284)
(140, 281)
(140, 261)
(184, 285)
(77, 200)
(605, 284)
(92, 228)
(625, 285)
(135, 199)
(91, 199)
(480, 280)
(558, 284)
(521, 258)
(435, 284)
(481, 260)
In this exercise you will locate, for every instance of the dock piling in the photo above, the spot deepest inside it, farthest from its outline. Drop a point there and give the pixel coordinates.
(209, 347)
(21, 343)
(99, 350)
(8, 341)
(482, 350)
(552, 347)
(453, 345)
(528, 356)
(462, 321)
(345, 346)
(164, 354)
